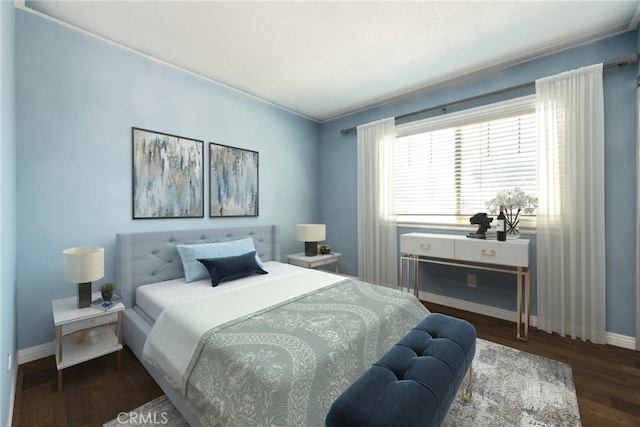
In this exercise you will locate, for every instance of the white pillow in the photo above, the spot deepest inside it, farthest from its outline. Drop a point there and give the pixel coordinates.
(189, 254)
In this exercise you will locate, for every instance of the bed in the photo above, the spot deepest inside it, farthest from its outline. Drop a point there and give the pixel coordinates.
(273, 348)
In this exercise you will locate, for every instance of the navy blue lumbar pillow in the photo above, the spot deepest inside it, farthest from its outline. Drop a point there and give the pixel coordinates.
(232, 267)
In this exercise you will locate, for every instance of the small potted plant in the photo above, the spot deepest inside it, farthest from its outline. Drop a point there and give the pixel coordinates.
(325, 249)
(107, 291)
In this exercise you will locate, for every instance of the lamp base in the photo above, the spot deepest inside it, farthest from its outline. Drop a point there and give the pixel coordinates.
(310, 248)
(84, 294)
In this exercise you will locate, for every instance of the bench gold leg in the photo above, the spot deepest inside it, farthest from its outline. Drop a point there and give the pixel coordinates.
(466, 390)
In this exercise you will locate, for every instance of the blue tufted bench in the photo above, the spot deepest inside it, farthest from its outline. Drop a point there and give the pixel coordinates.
(415, 382)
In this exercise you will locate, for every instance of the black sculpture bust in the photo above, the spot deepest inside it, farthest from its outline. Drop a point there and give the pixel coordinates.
(483, 222)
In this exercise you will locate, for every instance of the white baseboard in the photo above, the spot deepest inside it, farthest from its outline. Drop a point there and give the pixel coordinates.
(498, 313)
(473, 307)
(36, 352)
(623, 341)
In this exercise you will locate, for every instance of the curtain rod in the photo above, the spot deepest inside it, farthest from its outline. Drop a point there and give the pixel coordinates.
(629, 59)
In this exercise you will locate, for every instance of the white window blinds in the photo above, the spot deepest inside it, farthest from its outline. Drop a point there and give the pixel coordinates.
(450, 165)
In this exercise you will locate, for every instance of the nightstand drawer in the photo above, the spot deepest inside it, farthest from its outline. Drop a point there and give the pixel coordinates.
(427, 245)
(89, 323)
(301, 260)
(324, 262)
(511, 252)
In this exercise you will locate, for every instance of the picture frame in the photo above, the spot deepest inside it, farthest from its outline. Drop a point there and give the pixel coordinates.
(233, 181)
(168, 175)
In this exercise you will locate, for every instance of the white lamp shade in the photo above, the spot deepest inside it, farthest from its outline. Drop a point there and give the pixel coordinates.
(311, 232)
(83, 264)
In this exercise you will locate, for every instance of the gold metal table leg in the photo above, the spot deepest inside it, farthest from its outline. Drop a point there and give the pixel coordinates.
(416, 264)
(523, 279)
(527, 296)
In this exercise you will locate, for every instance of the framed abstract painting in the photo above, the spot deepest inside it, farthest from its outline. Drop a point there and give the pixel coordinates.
(168, 176)
(233, 181)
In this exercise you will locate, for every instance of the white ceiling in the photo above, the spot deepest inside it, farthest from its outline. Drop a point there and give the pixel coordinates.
(324, 59)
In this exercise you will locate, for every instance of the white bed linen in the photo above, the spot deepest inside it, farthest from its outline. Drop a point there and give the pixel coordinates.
(155, 297)
(177, 331)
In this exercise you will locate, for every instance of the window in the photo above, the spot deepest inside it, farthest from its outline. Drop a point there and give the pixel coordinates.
(448, 166)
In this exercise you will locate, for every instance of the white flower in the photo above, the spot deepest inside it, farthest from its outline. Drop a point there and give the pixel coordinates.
(513, 200)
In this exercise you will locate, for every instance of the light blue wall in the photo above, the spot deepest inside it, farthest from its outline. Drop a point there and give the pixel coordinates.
(77, 99)
(8, 337)
(338, 184)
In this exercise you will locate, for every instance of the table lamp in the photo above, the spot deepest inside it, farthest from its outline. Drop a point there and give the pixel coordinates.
(83, 265)
(311, 234)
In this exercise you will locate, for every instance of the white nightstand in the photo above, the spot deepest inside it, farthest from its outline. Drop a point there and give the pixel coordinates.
(68, 318)
(301, 260)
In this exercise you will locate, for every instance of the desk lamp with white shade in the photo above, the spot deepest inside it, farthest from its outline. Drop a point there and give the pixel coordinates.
(311, 235)
(83, 265)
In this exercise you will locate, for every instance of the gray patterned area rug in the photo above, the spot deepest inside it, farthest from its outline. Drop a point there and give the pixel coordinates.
(510, 388)
(516, 388)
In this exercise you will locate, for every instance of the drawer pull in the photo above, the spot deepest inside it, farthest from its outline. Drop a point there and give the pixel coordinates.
(489, 252)
(425, 246)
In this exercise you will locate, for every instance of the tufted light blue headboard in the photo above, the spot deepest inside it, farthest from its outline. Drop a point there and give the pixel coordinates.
(143, 258)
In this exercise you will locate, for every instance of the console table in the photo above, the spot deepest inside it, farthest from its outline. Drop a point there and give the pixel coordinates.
(510, 257)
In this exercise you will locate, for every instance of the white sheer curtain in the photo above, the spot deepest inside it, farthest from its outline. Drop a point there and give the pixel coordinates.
(571, 228)
(377, 235)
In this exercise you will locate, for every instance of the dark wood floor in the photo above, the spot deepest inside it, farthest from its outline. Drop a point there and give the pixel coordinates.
(607, 380)
(94, 392)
